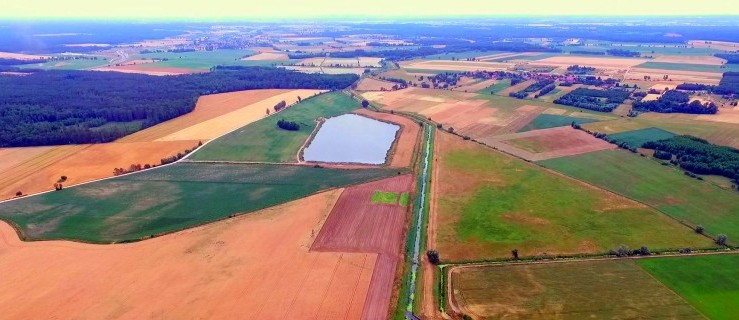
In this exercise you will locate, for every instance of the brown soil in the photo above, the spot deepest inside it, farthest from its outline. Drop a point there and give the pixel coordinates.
(371, 84)
(545, 144)
(146, 68)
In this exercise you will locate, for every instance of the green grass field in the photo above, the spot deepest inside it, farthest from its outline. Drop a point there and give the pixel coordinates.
(262, 141)
(203, 60)
(665, 188)
(688, 67)
(505, 83)
(461, 55)
(169, 199)
(78, 64)
(639, 137)
(545, 121)
(490, 203)
(709, 283)
(616, 289)
(405, 199)
(383, 197)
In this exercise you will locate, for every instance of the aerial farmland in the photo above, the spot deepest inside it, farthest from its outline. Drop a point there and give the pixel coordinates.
(481, 168)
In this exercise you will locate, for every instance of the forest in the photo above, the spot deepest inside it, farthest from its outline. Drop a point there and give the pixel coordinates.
(732, 58)
(596, 100)
(73, 107)
(729, 84)
(674, 101)
(699, 156)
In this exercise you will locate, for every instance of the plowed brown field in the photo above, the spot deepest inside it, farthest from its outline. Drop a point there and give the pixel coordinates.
(545, 144)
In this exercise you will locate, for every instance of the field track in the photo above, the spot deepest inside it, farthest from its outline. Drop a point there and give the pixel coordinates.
(357, 225)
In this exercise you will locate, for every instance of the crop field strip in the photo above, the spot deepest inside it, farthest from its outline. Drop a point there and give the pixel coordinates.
(485, 210)
(666, 189)
(188, 194)
(566, 290)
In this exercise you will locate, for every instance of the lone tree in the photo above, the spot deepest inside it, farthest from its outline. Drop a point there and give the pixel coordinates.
(699, 229)
(514, 253)
(365, 104)
(433, 256)
(721, 239)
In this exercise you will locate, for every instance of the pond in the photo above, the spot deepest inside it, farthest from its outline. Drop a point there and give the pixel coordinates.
(351, 138)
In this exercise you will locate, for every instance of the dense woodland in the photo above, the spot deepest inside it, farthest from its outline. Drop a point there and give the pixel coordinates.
(591, 99)
(73, 107)
(699, 156)
(674, 101)
(729, 84)
(732, 58)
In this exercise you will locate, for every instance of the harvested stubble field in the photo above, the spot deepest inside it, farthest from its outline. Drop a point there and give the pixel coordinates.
(372, 84)
(149, 69)
(41, 167)
(708, 282)
(476, 86)
(21, 56)
(267, 56)
(217, 114)
(714, 128)
(356, 224)
(487, 203)
(595, 62)
(263, 141)
(665, 188)
(256, 266)
(186, 195)
(404, 147)
(678, 76)
(612, 289)
(549, 143)
(326, 70)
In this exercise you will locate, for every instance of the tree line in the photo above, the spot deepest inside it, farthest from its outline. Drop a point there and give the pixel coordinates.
(596, 100)
(698, 155)
(732, 58)
(674, 101)
(729, 84)
(74, 107)
(536, 86)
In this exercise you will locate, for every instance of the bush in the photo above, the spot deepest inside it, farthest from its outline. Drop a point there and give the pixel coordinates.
(699, 229)
(721, 240)
(433, 256)
(288, 125)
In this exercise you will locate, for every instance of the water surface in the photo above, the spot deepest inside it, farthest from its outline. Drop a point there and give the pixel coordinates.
(351, 138)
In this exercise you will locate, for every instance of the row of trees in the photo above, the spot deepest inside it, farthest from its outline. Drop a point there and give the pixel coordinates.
(75, 107)
(623, 53)
(591, 99)
(536, 86)
(729, 84)
(676, 101)
(577, 69)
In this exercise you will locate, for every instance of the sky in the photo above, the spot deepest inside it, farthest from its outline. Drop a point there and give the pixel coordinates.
(228, 9)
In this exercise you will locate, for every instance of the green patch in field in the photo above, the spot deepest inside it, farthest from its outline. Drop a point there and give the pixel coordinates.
(500, 203)
(616, 289)
(666, 188)
(545, 121)
(262, 141)
(502, 84)
(709, 283)
(204, 60)
(382, 197)
(405, 199)
(170, 198)
(73, 64)
(639, 137)
(688, 67)
(461, 55)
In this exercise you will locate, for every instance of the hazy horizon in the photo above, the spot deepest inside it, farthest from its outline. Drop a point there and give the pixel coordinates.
(353, 9)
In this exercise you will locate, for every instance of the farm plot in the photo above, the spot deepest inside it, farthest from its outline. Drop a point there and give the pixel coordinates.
(703, 126)
(241, 268)
(326, 70)
(404, 148)
(550, 143)
(149, 69)
(187, 194)
(709, 282)
(688, 67)
(667, 189)
(198, 60)
(80, 163)
(263, 141)
(371, 84)
(546, 121)
(267, 56)
(359, 224)
(498, 86)
(486, 203)
(711, 78)
(637, 138)
(566, 291)
(446, 65)
(596, 62)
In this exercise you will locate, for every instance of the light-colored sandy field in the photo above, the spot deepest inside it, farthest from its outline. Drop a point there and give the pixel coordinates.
(148, 69)
(404, 148)
(596, 62)
(651, 97)
(448, 65)
(41, 167)
(267, 56)
(477, 86)
(708, 60)
(256, 266)
(720, 45)
(663, 86)
(677, 76)
(20, 56)
(233, 120)
(546, 144)
(357, 71)
(502, 56)
(216, 105)
(372, 84)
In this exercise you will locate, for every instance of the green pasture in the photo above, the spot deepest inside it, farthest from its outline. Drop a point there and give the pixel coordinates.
(545, 121)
